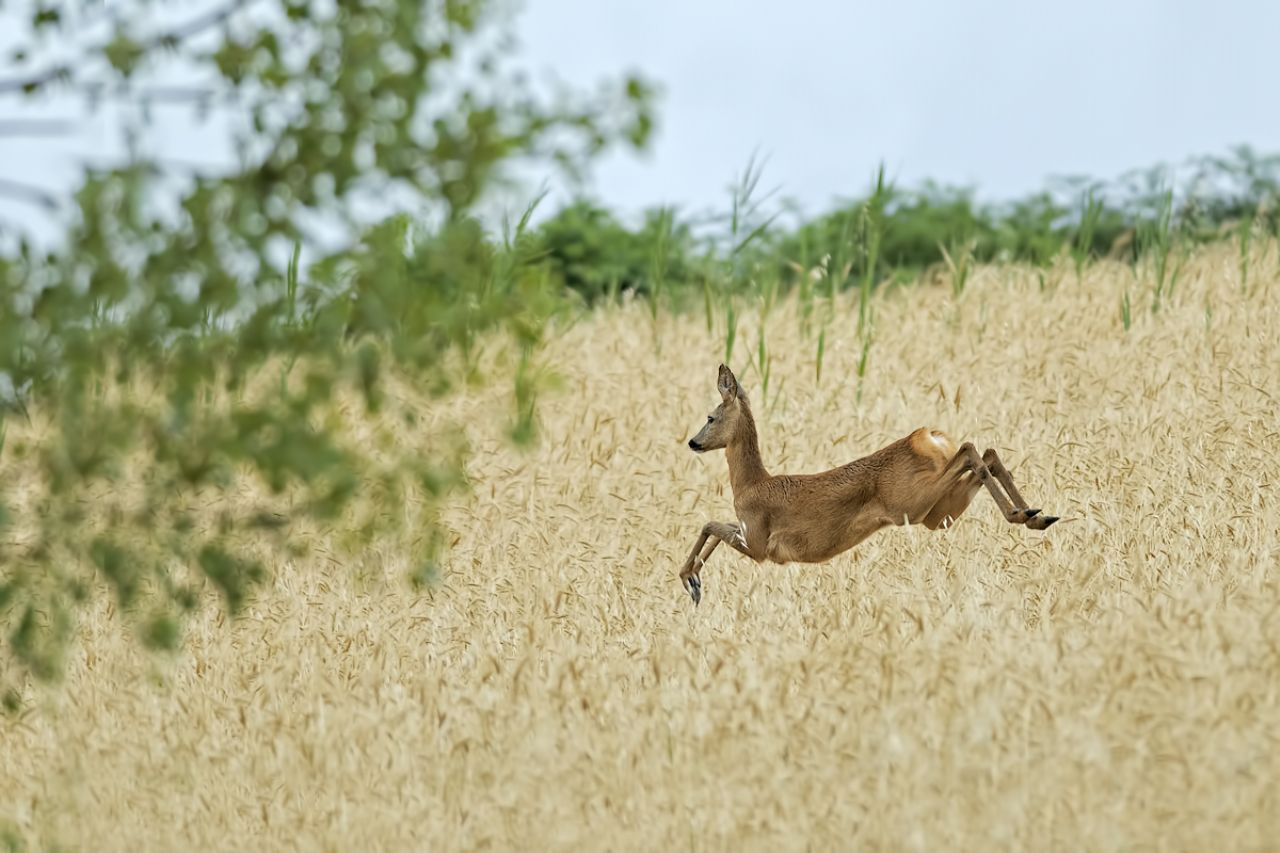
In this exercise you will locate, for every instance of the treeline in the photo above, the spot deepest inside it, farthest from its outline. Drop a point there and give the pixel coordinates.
(899, 233)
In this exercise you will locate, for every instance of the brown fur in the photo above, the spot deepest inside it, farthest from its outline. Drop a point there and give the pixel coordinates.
(923, 478)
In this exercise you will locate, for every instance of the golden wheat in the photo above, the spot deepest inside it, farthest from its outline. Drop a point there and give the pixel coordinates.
(1111, 683)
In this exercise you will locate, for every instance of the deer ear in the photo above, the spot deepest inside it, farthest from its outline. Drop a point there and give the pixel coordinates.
(727, 383)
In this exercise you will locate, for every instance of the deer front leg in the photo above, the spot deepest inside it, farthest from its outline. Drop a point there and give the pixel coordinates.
(717, 532)
(689, 574)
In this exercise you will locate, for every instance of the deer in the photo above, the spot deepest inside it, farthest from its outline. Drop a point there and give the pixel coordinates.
(923, 478)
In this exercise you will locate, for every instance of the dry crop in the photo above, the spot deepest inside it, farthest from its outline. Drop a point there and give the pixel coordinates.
(1111, 683)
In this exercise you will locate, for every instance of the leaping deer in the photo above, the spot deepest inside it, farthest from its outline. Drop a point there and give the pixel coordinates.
(810, 518)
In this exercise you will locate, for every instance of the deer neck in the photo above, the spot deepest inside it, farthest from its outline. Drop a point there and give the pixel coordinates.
(745, 466)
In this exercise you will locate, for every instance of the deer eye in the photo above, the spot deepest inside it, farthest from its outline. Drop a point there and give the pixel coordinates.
(710, 418)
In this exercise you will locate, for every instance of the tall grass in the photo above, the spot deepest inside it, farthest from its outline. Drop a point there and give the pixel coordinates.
(747, 223)
(1159, 244)
(832, 272)
(511, 264)
(658, 264)
(1246, 237)
(871, 235)
(871, 230)
(1090, 213)
(959, 261)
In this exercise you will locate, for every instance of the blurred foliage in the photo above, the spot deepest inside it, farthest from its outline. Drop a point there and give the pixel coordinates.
(182, 376)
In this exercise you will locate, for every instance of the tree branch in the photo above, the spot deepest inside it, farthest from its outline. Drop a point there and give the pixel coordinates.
(34, 127)
(28, 193)
(158, 95)
(169, 38)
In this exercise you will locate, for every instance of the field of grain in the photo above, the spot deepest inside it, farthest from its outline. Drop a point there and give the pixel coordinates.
(1111, 683)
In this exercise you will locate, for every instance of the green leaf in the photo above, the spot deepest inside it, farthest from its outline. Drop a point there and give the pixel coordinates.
(231, 575)
(123, 53)
(119, 567)
(162, 633)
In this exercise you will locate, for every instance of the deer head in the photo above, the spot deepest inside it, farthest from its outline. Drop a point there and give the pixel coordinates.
(722, 424)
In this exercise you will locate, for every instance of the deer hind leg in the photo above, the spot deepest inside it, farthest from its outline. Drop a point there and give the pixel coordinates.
(953, 502)
(932, 501)
(1032, 519)
(717, 532)
(959, 482)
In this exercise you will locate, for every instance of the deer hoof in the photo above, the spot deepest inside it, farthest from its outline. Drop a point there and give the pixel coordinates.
(1031, 513)
(693, 583)
(1041, 522)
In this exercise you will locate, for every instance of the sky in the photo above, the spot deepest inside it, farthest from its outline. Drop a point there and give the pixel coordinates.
(994, 94)
(997, 94)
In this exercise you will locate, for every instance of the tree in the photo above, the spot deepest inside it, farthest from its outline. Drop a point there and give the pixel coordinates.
(170, 350)
(593, 254)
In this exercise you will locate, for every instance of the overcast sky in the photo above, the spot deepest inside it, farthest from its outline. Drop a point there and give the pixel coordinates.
(998, 94)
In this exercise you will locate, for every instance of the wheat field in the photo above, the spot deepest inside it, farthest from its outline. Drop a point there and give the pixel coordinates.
(1111, 683)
